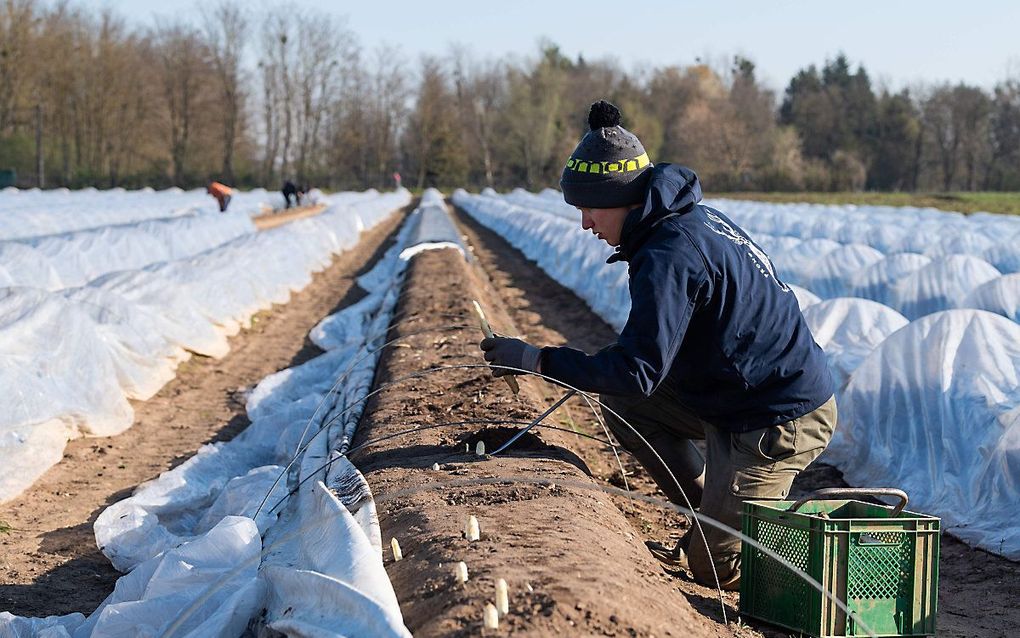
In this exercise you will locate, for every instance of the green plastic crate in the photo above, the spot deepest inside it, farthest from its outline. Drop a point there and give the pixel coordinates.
(880, 561)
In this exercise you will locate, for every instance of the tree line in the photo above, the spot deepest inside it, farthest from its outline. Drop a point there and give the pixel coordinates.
(253, 98)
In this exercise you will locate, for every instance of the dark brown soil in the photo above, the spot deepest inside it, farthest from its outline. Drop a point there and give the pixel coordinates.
(49, 563)
(573, 563)
(978, 592)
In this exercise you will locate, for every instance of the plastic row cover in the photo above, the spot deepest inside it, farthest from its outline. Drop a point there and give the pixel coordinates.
(319, 571)
(886, 228)
(34, 212)
(935, 410)
(323, 551)
(934, 260)
(54, 262)
(72, 358)
(913, 284)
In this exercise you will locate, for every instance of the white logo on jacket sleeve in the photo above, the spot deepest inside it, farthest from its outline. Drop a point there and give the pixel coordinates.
(758, 257)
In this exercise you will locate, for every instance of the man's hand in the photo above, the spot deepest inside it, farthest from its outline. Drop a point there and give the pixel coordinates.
(513, 353)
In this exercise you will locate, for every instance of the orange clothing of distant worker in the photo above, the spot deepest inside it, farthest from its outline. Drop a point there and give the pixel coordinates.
(222, 193)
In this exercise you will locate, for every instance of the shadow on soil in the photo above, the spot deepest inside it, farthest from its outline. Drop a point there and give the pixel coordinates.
(423, 456)
(91, 566)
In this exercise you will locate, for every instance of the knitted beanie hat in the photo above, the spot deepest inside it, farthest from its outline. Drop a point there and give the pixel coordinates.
(609, 168)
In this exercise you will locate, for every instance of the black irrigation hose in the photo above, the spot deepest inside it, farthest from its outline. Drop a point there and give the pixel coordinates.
(425, 428)
(612, 445)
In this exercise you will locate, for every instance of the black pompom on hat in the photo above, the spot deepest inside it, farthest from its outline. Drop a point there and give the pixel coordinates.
(609, 168)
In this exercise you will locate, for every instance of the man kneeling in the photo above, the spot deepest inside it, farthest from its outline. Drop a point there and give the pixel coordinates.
(715, 346)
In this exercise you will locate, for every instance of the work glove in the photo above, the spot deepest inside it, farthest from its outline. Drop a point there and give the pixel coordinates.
(510, 352)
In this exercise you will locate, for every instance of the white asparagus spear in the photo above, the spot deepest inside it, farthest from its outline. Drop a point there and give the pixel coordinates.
(510, 380)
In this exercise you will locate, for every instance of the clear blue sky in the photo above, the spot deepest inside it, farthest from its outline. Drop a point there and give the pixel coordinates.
(898, 41)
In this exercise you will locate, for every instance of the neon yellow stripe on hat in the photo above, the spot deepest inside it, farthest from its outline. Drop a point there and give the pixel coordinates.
(617, 166)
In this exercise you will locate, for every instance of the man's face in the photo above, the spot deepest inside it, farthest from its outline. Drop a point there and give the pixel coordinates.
(604, 223)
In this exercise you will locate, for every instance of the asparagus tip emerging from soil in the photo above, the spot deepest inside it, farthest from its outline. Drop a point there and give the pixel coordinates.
(491, 617)
(471, 531)
(502, 597)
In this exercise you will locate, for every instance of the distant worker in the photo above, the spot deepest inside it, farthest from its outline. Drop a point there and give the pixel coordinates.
(312, 196)
(222, 193)
(396, 179)
(290, 190)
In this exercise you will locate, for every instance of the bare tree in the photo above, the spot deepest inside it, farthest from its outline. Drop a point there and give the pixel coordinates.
(225, 30)
(957, 120)
(534, 114)
(180, 54)
(480, 90)
(270, 118)
(1004, 158)
(16, 25)
(432, 136)
(323, 43)
(390, 92)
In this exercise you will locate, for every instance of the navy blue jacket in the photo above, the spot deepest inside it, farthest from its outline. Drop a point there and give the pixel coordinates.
(708, 316)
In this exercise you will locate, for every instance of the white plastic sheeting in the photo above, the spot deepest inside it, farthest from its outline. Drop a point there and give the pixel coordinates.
(70, 358)
(941, 285)
(798, 264)
(935, 410)
(207, 586)
(44, 341)
(78, 257)
(1000, 295)
(908, 238)
(849, 329)
(831, 275)
(212, 578)
(939, 401)
(34, 212)
(876, 281)
(804, 296)
(273, 530)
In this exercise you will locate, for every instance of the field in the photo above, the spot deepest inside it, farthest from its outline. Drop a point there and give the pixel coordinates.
(554, 521)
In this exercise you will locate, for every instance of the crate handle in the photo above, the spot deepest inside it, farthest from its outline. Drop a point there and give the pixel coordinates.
(866, 539)
(854, 492)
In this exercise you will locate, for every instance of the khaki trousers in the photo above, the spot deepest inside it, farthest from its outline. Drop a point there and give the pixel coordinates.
(756, 465)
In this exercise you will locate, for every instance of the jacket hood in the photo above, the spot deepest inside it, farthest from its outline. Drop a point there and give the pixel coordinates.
(672, 190)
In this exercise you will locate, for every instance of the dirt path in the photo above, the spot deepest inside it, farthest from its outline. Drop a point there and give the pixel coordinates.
(573, 565)
(49, 560)
(979, 592)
